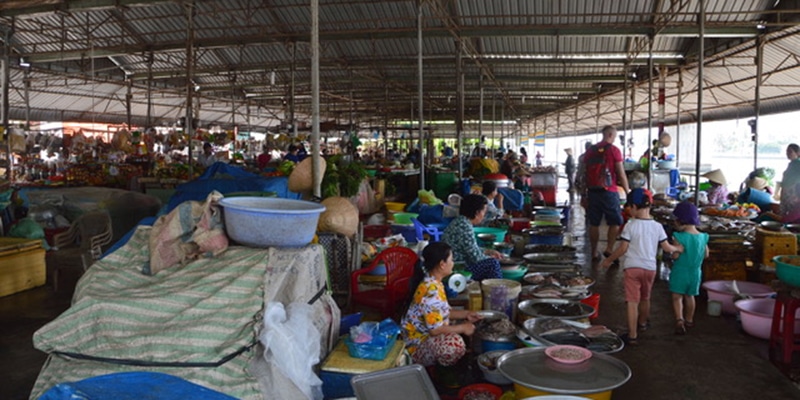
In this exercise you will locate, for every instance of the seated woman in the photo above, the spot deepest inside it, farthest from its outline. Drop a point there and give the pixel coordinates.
(718, 194)
(460, 235)
(494, 207)
(429, 336)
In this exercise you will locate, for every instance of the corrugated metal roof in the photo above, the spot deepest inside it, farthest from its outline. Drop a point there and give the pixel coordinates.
(558, 55)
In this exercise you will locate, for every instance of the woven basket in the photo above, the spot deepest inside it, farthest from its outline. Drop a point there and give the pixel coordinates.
(300, 180)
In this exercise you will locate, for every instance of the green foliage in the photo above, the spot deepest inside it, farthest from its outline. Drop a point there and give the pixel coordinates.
(342, 178)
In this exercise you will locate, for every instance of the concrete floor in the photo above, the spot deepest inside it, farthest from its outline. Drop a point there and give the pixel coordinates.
(715, 360)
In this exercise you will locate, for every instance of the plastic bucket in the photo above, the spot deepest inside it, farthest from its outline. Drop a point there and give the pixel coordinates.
(594, 302)
(501, 295)
(759, 197)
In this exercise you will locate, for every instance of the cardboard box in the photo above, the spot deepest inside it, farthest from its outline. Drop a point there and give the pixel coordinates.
(22, 265)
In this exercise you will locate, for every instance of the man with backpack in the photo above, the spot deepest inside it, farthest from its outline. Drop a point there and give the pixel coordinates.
(602, 171)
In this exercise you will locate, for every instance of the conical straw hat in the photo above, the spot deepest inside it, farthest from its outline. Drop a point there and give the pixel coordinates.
(716, 176)
(300, 180)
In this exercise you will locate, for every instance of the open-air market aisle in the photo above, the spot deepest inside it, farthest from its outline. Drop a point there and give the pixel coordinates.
(714, 360)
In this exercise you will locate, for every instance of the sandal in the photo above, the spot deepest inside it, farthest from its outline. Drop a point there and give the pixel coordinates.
(629, 341)
(680, 329)
(645, 326)
(688, 324)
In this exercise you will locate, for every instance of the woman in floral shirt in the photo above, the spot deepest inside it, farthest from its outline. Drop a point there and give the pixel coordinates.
(460, 235)
(429, 336)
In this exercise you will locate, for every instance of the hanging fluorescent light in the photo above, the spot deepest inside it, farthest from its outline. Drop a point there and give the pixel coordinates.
(23, 63)
(272, 78)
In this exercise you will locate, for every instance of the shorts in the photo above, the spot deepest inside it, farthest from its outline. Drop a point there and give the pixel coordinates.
(638, 284)
(684, 281)
(603, 203)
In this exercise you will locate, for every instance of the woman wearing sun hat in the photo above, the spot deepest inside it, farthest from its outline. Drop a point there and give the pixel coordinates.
(718, 194)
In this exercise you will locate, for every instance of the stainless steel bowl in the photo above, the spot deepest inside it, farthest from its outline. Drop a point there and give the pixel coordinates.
(794, 228)
(487, 237)
(772, 226)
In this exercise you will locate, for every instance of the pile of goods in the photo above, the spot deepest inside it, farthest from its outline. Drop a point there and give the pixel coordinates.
(557, 331)
(736, 210)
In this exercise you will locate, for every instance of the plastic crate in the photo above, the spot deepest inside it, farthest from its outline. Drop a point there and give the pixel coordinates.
(368, 351)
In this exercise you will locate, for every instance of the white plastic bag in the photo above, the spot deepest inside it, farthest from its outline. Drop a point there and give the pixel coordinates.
(292, 344)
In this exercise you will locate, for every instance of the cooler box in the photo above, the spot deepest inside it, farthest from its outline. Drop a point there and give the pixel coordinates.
(339, 368)
(548, 192)
(22, 265)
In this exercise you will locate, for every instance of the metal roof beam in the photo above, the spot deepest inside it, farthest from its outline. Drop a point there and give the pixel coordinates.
(26, 7)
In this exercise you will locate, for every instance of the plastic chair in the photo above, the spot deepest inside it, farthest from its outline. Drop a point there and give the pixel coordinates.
(434, 233)
(82, 244)
(399, 262)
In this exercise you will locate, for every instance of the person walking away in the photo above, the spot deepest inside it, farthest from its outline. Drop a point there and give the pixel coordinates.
(569, 169)
(429, 335)
(604, 170)
(638, 248)
(538, 159)
(684, 280)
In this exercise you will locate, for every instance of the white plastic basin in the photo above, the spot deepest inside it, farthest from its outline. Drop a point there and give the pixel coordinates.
(270, 222)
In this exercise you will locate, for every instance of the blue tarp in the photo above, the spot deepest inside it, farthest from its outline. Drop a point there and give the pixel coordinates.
(132, 386)
(226, 179)
(223, 178)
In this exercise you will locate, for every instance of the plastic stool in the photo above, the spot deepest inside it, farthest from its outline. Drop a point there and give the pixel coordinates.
(782, 339)
(421, 229)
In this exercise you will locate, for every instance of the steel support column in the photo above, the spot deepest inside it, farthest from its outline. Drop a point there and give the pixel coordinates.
(650, 113)
(701, 58)
(188, 125)
(315, 157)
(419, 99)
(460, 109)
(759, 76)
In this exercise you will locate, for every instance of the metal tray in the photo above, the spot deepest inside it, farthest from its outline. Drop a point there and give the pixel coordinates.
(408, 382)
(492, 315)
(550, 258)
(531, 368)
(531, 327)
(528, 307)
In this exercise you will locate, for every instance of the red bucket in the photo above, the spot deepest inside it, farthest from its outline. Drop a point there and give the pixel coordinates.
(594, 302)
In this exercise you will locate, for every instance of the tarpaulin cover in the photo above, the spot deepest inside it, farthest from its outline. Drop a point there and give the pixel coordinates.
(133, 386)
(226, 179)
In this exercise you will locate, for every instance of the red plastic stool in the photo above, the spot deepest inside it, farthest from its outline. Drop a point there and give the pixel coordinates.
(782, 339)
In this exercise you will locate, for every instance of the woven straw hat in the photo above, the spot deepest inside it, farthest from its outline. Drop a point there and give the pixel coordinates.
(300, 179)
(716, 176)
(756, 183)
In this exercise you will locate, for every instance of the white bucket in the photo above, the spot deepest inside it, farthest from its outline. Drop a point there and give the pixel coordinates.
(501, 295)
(714, 308)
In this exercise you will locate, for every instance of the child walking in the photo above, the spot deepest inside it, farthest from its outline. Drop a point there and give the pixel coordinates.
(684, 280)
(638, 247)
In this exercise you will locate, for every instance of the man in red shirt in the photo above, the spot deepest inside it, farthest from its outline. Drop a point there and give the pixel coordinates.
(603, 202)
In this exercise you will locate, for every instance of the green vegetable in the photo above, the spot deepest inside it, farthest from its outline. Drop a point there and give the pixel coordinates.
(286, 167)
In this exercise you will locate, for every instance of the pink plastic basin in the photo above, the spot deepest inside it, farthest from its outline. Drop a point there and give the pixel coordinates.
(757, 317)
(722, 291)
